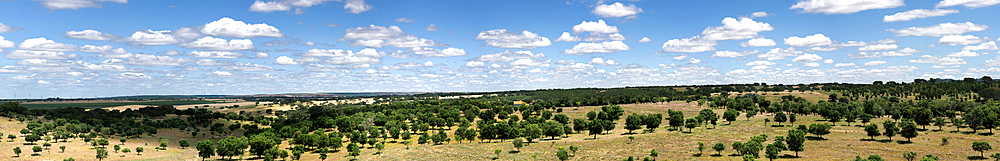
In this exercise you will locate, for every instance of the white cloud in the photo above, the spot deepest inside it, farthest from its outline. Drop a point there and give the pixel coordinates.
(431, 52)
(874, 63)
(954, 40)
(844, 6)
(995, 61)
(357, 6)
(162, 37)
(210, 62)
(95, 49)
(917, 13)
(758, 14)
(567, 37)
(153, 60)
(595, 27)
(840, 65)
(247, 67)
(616, 10)
(75, 4)
(807, 58)
(939, 30)
(507, 56)
(733, 29)
(380, 36)
(603, 47)
(168, 52)
(523, 40)
(811, 64)
(812, 40)
(29, 54)
(689, 45)
(828, 61)
(901, 52)
(474, 64)
(530, 63)
(680, 57)
(261, 55)
(5, 43)
(778, 54)
(644, 40)
(965, 53)
(5, 28)
(211, 43)
(992, 45)
(284, 60)
(215, 54)
(227, 27)
(694, 61)
(268, 7)
(733, 54)
(116, 53)
(90, 35)
(760, 63)
(309, 43)
(432, 27)
(599, 61)
(45, 45)
(404, 20)
(758, 42)
(342, 57)
(938, 60)
(886, 41)
(878, 47)
(967, 3)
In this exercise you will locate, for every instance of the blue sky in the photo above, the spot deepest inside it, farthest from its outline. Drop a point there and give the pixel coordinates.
(88, 48)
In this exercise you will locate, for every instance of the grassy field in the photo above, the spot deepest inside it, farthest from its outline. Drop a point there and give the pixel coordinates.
(843, 143)
(112, 104)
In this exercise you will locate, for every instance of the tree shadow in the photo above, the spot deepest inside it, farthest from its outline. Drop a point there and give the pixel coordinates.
(788, 156)
(777, 125)
(696, 155)
(513, 152)
(968, 132)
(904, 142)
(716, 155)
(735, 155)
(867, 139)
(975, 157)
(936, 130)
(985, 133)
(815, 138)
(921, 129)
(884, 141)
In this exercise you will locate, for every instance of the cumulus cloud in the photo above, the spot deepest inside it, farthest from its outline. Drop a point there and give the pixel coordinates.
(381, 36)
(603, 47)
(936, 60)
(694, 61)
(227, 27)
(939, 29)
(153, 60)
(523, 63)
(758, 14)
(828, 61)
(954, 40)
(733, 29)
(168, 52)
(811, 64)
(342, 57)
(474, 64)
(689, 45)
(90, 35)
(758, 42)
(5, 43)
(404, 20)
(211, 43)
(215, 54)
(644, 40)
(901, 52)
(995, 61)
(431, 52)
(247, 67)
(841, 65)
(43, 44)
(917, 13)
(116, 53)
(284, 60)
(778, 54)
(357, 6)
(595, 27)
(162, 37)
(733, 54)
(507, 56)
(616, 10)
(844, 7)
(878, 47)
(874, 63)
(432, 27)
(807, 58)
(992, 45)
(268, 7)
(516, 39)
(599, 61)
(812, 40)
(760, 63)
(75, 4)
(965, 53)
(567, 37)
(967, 3)
(29, 54)
(5, 28)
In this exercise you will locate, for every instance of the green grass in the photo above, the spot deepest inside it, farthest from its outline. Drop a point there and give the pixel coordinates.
(113, 104)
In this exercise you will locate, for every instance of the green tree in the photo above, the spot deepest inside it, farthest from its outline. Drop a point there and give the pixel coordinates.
(819, 129)
(532, 132)
(771, 152)
(62, 149)
(353, 150)
(633, 122)
(691, 124)
(231, 146)
(379, 147)
(261, 142)
(17, 151)
(909, 156)
(939, 122)
(676, 119)
(908, 130)
(497, 151)
(126, 150)
(701, 148)
(751, 113)
(719, 147)
(184, 143)
(958, 122)
(206, 149)
(562, 154)
(730, 115)
(138, 151)
(795, 141)
(872, 130)
(780, 117)
(981, 146)
(36, 149)
(791, 118)
(573, 149)
(101, 154)
(117, 147)
(995, 156)
(518, 144)
(652, 121)
(596, 127)
(122, 140)
(652, 153)
(890, 128)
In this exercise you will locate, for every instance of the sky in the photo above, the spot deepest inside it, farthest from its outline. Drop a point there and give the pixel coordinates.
(98, 48)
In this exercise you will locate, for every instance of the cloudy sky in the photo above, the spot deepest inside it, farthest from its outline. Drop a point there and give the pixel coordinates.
(88, 48)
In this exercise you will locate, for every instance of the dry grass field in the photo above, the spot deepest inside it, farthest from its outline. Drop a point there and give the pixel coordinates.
(843, 143)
